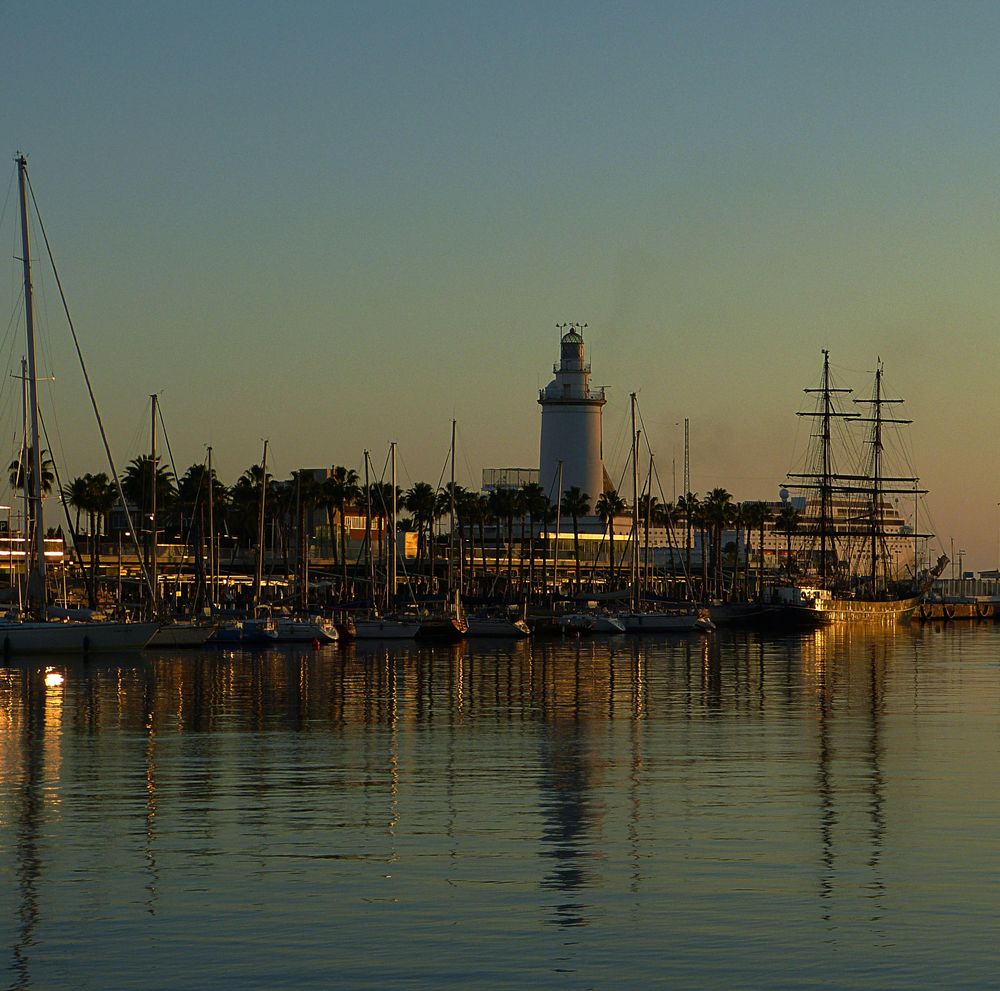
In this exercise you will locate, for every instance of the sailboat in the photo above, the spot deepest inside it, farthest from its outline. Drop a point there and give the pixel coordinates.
(41, 635)
(639, 619)
(176, 632)
(382, 625)
(448, 623)
(852, 581)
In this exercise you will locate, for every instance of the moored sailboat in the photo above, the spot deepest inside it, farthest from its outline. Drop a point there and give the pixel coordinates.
(380, 624)
(39, 634)
(638, 619)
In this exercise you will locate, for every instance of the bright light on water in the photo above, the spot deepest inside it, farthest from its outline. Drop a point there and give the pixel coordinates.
(733, 811)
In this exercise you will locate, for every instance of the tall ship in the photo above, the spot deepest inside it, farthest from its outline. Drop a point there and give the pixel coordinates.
(853, 572)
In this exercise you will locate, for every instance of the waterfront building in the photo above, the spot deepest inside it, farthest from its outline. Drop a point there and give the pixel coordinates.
(508, 478)
(571, 422)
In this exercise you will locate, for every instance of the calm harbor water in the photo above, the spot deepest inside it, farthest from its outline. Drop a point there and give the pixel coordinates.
(730, 811)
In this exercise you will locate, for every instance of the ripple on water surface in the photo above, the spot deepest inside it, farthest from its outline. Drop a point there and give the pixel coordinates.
(729, 811)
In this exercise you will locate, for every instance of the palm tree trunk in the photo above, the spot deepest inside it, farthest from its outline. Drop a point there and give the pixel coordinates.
(760, 565)
(510, 552)
(704, 562)
(92, 591)
(531, 555)
(481, 525)
(520, 564)
(343, 555)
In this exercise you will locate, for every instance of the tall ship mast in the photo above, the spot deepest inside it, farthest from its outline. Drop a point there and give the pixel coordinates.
(852, 576)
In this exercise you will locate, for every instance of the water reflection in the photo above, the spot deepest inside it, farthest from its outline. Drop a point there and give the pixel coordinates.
(591, 782)
(847, 672)
(571, 815)
(31, 776)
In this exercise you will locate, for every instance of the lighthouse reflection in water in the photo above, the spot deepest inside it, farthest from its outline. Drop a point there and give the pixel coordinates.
(618, 812)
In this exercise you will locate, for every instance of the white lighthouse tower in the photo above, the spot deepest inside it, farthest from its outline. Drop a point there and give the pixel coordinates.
(571, 422)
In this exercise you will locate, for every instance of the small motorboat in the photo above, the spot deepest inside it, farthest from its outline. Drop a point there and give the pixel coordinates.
(598, 622)
(385, 628)
(305, 631)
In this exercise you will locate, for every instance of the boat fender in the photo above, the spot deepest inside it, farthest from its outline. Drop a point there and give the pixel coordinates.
(86, 644)
(316, 644)
(6, 646)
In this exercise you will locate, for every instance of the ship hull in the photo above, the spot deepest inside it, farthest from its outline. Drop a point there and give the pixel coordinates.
(834, 611)
(175, 635)
(74, 638)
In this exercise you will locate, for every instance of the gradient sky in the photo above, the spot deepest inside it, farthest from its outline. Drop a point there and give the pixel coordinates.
(339, 224)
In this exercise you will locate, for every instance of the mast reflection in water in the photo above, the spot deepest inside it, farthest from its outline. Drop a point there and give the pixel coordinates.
(606, 812)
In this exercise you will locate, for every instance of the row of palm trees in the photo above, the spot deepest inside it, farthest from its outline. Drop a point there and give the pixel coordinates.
(712, 517)
(182, 505)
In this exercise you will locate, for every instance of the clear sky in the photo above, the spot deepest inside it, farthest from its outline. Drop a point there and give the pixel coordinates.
(339, 224)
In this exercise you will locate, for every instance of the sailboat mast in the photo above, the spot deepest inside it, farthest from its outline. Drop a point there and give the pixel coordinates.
(23, 465)
(635, 509)
(451, 517)
(876, 474)
(211, 534)
(368, 532)
(647, 525)
(826, 467)
(822, 474)
(555, 552)
(34, 480)
(259, 573)
(390, 591)
(152, 505)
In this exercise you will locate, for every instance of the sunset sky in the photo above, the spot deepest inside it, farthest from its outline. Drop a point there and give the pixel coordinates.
(335, 225)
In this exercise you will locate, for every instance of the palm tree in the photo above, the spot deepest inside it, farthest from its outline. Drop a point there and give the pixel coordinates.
(502, 504)
(75, 494)
(21, 469)
(498, 502)
(649, 507)
(788, 522)
(609, 505)
(546, 517)
(688, 505)
(281, 509)
(482, 513)
(466, 504)
(341, 490)
(536, 504)
(381, 498)
(512, 506)
(304, 493)
(443, 508)
(718, 516)
(576, 503)
(192, 492)
(420, 499)
(102, 497)
(756, 514)
(137, 483)
(667, 515)
(244, 503)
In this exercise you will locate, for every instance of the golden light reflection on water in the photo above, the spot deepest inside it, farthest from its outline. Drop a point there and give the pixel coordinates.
(586, 772)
